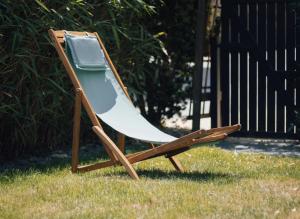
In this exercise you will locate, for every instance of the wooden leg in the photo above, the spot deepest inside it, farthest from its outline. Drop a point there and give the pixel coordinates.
(177, 144)
(76, 131)
(176, 164)
(152, 145)
(121, 142)
(174, 161)
(96, 166)
(121, 157)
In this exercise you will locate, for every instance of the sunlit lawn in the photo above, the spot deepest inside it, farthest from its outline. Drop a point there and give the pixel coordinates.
(217, 184)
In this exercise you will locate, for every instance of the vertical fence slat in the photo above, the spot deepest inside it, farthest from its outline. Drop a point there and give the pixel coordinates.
(225, 64)
(252, 67)
(262, 17)
(271, 60)
(263, 31)
(243, 68)
(280, 47)
(234, 68)
(290, 51)
(297, 37)
(213, 82)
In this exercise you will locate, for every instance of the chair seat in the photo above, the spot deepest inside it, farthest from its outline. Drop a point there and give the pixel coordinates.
(114, 108)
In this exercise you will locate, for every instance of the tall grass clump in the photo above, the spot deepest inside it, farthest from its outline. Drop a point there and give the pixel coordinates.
(36, 97)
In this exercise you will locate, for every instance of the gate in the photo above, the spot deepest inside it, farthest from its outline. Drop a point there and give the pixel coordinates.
(255, 68)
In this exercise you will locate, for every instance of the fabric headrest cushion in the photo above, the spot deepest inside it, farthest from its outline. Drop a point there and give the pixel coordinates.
(86, 52)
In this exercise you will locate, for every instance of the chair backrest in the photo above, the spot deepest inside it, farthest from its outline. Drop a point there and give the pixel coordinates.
(58, 37)
(103, 87)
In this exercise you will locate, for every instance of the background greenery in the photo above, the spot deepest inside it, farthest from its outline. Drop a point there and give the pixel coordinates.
(151, 43)
(36, 97)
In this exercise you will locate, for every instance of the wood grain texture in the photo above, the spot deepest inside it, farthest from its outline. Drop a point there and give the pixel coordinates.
(76, 130)
(121, 157)
(175, 162)
(121, 142)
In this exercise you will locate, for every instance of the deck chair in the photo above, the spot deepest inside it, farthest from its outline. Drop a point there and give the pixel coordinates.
(99, 89)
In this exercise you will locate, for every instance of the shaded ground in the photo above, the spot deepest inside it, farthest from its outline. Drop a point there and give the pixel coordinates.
(92, 152)
(266, 146)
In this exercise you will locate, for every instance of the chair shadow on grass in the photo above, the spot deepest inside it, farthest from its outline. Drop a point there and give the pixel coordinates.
(91, 154)
(158, 174)
(59, 159)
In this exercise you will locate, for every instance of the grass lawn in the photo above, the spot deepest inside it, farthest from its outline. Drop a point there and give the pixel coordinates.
(217, 184)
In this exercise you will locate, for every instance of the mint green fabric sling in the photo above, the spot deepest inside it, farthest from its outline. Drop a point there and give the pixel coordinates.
(104, 92)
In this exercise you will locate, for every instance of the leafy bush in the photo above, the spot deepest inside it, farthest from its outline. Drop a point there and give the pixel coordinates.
(168, 76)
(36, 97)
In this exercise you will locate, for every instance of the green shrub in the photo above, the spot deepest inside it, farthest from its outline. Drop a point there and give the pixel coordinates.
(36, 97)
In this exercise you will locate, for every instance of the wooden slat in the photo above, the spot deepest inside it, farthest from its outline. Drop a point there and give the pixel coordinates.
(96, 166)
(262, 32)
(76, 130)
(173, 146)
(202, 133)
(280, 47)
(234, 69)
(271, 59)
(253, 67)
(213, 82)
(176, 152)
(121, 142)
(225, 65)
(186, 141)
(121, 157)
(61, 33)
(60, 40)
(176, 164)
(243, 67)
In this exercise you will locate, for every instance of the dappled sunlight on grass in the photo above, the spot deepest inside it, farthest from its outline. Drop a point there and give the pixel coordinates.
(216, 183)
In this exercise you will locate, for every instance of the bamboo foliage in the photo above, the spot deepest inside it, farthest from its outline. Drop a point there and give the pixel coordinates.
(36, 97)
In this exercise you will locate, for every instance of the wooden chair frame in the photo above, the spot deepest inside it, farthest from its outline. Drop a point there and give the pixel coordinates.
(116, 154)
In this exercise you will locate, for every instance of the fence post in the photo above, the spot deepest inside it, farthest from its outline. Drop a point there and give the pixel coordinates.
(198, 73)
(213, 82)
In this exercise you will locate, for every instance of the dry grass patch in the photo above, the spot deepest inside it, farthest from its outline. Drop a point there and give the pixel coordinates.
(217, 184)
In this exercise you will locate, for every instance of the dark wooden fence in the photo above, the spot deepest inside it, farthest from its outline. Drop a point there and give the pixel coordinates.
(255, 68)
